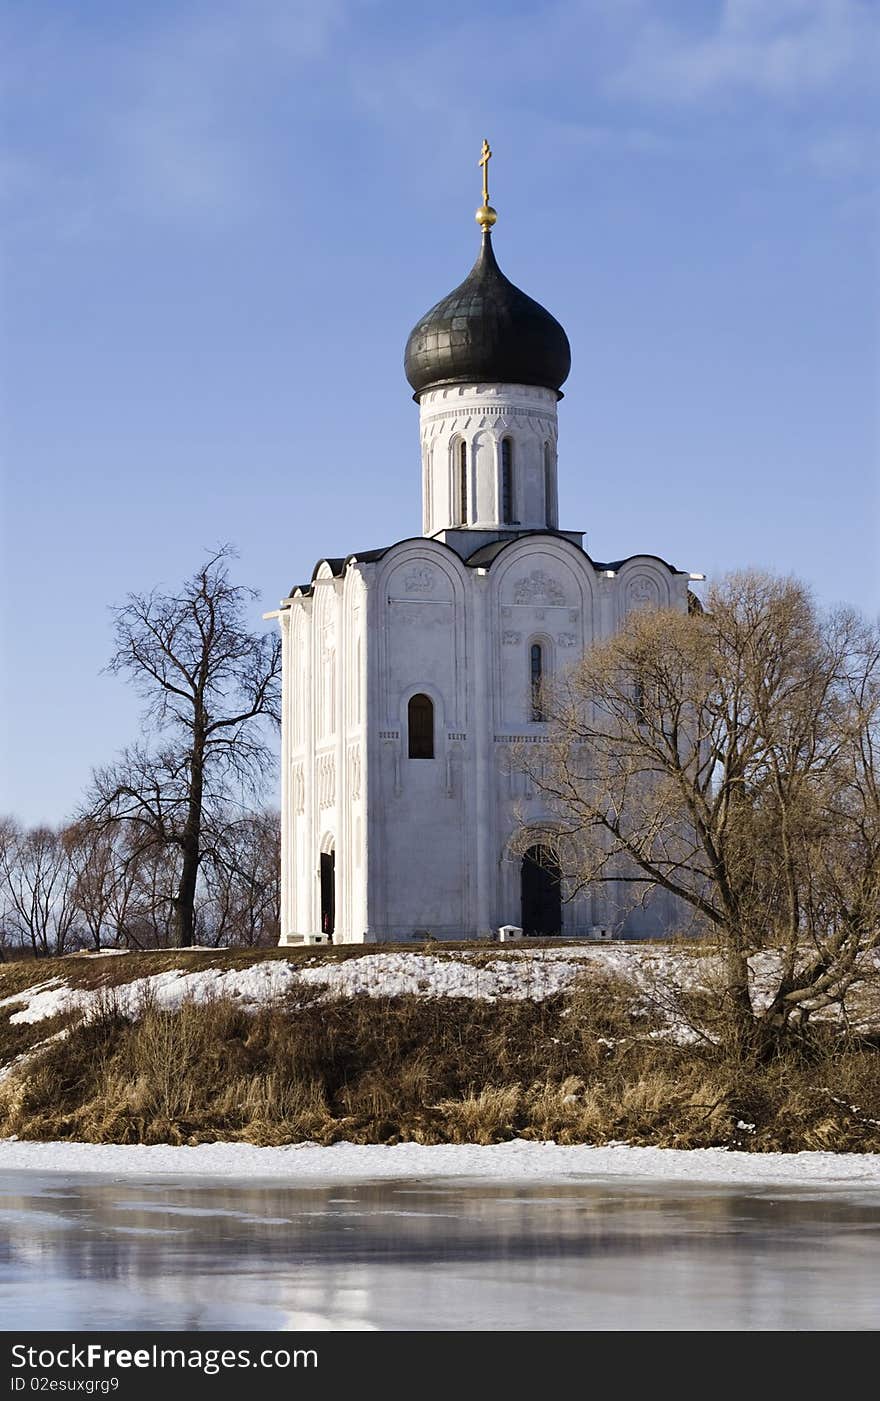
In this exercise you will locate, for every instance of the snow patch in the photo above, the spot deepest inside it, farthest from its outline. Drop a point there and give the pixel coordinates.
(378, 975)
(307, 1164)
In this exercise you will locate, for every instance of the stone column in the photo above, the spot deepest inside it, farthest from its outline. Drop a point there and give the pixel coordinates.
(483, 817)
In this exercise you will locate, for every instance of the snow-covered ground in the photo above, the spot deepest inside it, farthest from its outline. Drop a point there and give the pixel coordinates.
(308, 1164)
(533, 974)
(658, 974)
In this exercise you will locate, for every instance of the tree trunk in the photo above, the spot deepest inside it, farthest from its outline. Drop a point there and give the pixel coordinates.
(742, 1025)
(184, 904)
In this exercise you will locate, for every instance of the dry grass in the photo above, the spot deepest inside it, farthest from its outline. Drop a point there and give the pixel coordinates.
(18, 1040)
(578, 1069)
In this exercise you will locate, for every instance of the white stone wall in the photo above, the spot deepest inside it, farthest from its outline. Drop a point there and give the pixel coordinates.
(323, 793)
(425, 843)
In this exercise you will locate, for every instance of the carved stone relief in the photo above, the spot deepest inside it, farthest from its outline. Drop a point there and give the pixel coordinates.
(354, 772)
(420, 580)
(298, 783)
(538, 587)
(422, 614)
(325, 773)
(642, 592)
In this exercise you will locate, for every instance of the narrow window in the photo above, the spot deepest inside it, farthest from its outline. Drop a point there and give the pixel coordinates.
(462, 483)
(420, 723)
(549, 505)
(536, 676)
(506, 481)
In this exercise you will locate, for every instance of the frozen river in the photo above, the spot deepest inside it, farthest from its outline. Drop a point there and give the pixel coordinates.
(100, 1252)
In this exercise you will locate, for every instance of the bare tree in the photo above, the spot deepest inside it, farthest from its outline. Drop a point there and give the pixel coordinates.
(38, 888)
(150, 916)
(730, 758)
(209, 684)
(8, 839)
(104, 859)
(243, 881)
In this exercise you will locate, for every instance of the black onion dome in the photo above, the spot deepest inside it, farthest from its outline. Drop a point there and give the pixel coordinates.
(487, 331)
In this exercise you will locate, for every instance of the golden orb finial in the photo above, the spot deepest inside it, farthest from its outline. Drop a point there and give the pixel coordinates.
(485, 215)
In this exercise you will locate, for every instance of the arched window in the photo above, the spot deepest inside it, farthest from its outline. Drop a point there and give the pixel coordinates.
(549, 503)
(506, 481)
(420, 724)
(536, 677)
(462, 483)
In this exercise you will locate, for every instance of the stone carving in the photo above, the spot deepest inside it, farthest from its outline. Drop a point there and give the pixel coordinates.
(422, 613)
(566, 639)
(506, 612)
(538, 587)
(420, 580)
(510, 639)
(326, 780)
(354, 772)
(573, 615)
(298, 783)
(453, 756)
(642, 592)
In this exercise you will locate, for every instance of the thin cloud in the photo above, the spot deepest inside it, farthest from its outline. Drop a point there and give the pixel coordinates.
(787, 49)
(162, 118)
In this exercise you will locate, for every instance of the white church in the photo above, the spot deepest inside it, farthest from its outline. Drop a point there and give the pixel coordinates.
(411, 674)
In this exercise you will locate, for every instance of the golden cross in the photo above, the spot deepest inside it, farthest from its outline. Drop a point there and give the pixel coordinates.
(485, 157)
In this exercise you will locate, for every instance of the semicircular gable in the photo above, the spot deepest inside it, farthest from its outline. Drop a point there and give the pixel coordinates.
(545, 574)
(325, 600)
(423, 572)
(643, 582)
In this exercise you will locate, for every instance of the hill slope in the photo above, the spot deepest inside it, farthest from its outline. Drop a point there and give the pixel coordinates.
(577, 1043)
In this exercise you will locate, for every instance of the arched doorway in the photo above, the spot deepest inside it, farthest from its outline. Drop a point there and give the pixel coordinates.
(328, 892)
(541, 889)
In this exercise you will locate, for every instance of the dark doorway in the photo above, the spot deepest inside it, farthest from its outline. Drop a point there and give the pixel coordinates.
(328, 892)
(541, 892)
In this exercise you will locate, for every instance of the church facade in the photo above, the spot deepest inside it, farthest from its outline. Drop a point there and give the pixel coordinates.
(412, 674)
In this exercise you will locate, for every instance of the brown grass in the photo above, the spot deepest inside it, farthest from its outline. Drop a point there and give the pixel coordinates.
(577, 1069)
(18, 1040)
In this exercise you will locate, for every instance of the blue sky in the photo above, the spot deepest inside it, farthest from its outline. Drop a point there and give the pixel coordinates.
(222, 219)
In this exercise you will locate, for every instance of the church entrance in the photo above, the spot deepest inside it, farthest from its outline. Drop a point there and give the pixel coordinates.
(541, 888)
(328, 892)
